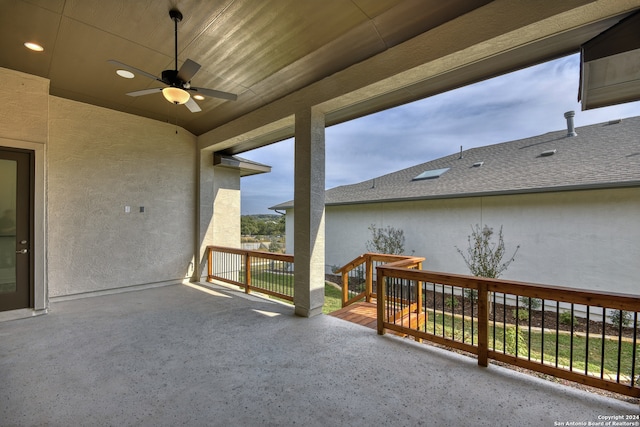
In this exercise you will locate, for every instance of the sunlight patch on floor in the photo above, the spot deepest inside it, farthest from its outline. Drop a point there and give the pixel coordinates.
(207, 291)
(266, 313)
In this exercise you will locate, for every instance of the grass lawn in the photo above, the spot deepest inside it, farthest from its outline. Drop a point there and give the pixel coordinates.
(531, 345)
(283, 283)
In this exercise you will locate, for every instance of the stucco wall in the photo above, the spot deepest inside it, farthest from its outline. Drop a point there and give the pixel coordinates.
(24, 108)
(586, 239)
(100, 161)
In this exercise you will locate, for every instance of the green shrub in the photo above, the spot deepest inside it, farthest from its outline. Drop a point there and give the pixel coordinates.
(523, 314)
(533, 303)
(451, 302)
(471, 294)
(567, 319)
(621, 316)
(511, 334)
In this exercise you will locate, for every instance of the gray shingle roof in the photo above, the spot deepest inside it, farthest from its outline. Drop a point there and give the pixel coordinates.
(604, 155)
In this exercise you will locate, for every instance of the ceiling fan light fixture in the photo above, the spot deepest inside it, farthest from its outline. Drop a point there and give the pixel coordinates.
(175, 95)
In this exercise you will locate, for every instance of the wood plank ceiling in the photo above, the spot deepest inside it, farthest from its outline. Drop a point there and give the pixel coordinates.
(260, 50)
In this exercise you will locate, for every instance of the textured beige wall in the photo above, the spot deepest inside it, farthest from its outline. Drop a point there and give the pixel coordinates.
(226, 207)
(100, 161)
(583, 239)
(219, 210)
(24, 107)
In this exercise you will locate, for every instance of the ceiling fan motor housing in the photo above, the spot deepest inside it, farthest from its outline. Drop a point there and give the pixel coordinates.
(170, 77)
(175, 15)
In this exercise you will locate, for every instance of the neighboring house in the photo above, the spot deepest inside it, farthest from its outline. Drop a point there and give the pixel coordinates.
(572, 203)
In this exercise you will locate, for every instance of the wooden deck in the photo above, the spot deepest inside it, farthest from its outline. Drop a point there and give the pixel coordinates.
(365, 314)
(362, 313)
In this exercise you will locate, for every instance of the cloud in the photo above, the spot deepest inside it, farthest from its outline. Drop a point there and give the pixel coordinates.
(518, 105)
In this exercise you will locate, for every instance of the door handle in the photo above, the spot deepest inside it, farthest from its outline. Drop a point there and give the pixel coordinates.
(22, 251)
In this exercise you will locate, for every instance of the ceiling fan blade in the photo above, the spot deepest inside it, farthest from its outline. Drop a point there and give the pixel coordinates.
(145, 91)
(193, 106)
(214, 93)
(188, 70)
(133, 69)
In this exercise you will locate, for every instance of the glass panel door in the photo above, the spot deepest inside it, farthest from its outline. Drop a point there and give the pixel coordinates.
(16, 225)
(8, 187)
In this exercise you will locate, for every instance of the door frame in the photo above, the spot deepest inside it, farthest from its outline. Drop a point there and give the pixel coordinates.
(39, 288)
(22, 297)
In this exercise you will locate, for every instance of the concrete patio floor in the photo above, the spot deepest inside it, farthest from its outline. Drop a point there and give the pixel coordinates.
(181, 355)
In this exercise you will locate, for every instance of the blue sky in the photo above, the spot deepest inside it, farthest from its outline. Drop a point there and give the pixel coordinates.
(525, 103)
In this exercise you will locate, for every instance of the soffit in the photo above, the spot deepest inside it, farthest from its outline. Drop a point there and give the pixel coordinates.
(261, 50)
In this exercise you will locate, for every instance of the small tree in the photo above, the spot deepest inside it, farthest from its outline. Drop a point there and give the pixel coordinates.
(387, 240)
(484, 257)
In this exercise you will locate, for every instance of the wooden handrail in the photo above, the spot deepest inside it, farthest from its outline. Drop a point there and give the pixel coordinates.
(248, 256)
(368, 259)
(486, 286)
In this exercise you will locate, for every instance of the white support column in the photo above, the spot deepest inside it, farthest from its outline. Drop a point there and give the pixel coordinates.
(309, 212)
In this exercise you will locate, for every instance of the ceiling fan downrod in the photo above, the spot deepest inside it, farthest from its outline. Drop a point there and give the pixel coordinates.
(176, 17)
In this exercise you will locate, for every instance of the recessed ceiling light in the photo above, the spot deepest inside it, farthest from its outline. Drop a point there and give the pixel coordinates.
(34, 46)
(125, 73)
(198, 97)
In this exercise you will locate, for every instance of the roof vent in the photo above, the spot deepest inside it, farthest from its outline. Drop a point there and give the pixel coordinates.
(548, 153)
(478, 164)
(571, 131)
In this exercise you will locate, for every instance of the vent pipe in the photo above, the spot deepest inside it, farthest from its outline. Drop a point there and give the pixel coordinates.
(571, 131)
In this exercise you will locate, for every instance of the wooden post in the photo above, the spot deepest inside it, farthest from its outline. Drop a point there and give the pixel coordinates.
(209, 264)
(380, 297)
(369, 278)
(419, 293)
(419, 298)
(247, 274)
(345, 287)
(483, 325)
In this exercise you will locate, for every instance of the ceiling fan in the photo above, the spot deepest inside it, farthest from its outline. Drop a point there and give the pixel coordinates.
(178, 81)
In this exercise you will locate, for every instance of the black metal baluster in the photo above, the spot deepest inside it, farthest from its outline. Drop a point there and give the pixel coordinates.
(620, 321)
(434, 309)
(633, 348)
(443, 311)
(472, 329)
(604, 325)
(424, 303)
(453, 316)
(557, 329)
(494, 320)
(586, 355)
(543, 335)
(504, 323)
(462, 297)
(571, 342)
(517, 322)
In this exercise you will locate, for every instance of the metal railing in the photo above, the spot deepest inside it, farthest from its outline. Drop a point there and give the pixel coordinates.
(266, 272)
(359, 275)
(585, 336)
